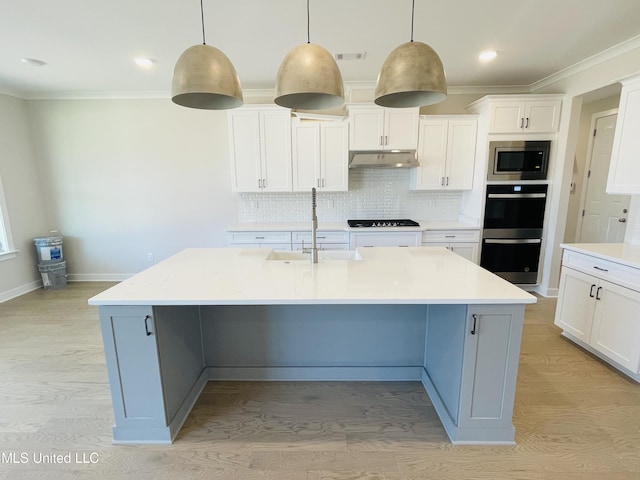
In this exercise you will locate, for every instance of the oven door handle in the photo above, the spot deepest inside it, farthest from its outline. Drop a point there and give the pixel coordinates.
(514, 241)
(517, 195)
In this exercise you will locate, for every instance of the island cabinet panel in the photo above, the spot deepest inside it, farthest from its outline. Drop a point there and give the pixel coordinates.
(471, 360)
(155, 366)
(270, 339)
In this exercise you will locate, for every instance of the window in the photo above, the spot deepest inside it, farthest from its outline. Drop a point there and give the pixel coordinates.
(6, 242)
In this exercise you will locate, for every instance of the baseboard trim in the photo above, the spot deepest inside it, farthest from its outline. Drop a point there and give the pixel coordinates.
(378, 374)
(21, 290)
(98, 277)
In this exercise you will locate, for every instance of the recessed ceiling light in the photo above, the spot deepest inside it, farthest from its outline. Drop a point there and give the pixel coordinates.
(144, 62)
(34, 62)
(488, 55)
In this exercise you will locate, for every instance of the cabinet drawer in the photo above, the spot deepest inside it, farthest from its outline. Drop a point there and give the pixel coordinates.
(321, 237)
(259, 237)
(611, 271)
(450, 236)
(385, 240)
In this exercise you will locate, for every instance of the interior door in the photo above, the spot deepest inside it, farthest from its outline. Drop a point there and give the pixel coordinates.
(604, 219)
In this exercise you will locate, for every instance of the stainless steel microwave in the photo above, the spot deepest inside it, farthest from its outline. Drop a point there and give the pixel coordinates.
(518, 160)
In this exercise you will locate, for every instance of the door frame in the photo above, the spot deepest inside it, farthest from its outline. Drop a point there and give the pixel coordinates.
(587, 167)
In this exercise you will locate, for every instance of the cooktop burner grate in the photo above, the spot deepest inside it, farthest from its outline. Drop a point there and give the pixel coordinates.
(382, 223)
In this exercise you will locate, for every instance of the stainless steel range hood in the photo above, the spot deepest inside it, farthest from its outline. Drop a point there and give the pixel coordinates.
(383, 159)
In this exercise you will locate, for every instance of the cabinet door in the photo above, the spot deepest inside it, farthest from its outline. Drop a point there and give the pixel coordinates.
(131, 349)
(491, 351)
(244, 149)
(275, 134)
(306, 155)
(432, 152)
(461, 153)
(616, 325)
(366, 130)
(334, 156)
(506, 117)
(576, 303)
(466, 250)
(542, 116)
(401, 128)
(624, 171)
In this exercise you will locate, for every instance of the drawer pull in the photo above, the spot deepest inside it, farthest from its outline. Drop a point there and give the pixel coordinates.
(598, 293)
(259, 238)
(475, 321)
(601, 269)
(146, 325)
(591, 290)
(449, 236)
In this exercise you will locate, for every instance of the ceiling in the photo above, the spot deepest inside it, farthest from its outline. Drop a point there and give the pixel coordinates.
(89, 45)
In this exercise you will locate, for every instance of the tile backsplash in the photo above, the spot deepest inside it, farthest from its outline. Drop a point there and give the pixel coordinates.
(373, 193)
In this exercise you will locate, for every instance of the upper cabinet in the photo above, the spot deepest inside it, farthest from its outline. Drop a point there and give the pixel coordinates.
(624, 170)
(379, 128)
(260, 149)
(320, 155)
(521, 113)
(446, 152)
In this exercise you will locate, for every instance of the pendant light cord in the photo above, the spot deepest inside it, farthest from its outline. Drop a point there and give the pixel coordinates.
(308, 23)
(413, 12)
(202, 18)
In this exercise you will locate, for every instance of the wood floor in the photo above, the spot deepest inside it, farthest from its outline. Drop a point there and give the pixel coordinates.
(575, 417)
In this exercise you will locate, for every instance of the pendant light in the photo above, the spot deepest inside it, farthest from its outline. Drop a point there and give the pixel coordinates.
(309, 78)
(205, 78)
(411, 76)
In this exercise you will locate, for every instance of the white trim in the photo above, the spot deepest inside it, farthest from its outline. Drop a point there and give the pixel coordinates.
(98, 277)
(6, 237)
(9, 255)
(21, 290)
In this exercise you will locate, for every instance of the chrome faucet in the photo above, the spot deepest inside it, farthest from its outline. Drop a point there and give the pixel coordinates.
(314, 227)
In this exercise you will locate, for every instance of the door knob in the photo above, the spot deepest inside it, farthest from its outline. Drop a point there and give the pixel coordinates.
(622, 220)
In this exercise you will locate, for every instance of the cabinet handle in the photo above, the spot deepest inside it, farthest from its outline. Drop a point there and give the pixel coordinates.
(259, 238)
(404, 246)
(442, 181)
(386, 140)
(319, 237)
(598, 293)
(381, 140)
(527, 124)
(146, 325)
(259, 183)
(601, 269)
(447, 184)
(475, 321)
(521, 122)
(318, 183)
(449, 236)
(323, 183)
(264, 183)
(591, 290)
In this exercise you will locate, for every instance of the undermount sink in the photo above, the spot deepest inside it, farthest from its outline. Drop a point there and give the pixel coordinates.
(323, 256)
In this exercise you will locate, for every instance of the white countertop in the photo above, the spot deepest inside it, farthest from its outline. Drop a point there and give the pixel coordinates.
(241, 276)
(306, 226)
(623, 253)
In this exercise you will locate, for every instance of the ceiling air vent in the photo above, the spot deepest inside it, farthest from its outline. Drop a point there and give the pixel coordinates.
(351, 56)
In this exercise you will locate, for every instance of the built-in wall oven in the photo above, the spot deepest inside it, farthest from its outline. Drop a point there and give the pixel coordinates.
(512, 234)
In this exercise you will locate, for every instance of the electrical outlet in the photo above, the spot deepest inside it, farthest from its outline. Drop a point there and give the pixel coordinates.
(150, 257)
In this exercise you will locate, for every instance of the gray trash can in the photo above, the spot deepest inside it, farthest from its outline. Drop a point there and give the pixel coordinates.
(54, 275)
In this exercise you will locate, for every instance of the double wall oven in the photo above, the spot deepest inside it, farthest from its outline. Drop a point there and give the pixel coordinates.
(514, 211)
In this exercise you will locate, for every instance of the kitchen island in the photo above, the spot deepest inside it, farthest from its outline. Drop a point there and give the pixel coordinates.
(380, 314)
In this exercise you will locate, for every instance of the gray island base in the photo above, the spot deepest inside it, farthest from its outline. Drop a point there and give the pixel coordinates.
(207, 314)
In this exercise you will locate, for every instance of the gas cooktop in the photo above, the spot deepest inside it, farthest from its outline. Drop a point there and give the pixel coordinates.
(382, 223)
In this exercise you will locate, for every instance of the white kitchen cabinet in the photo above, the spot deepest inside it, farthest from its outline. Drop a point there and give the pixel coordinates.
(384, 239)
(260, 149)
(320, 155)
(325, 240)
(379, 128)
(597, 313)
(276, 240)
(446, 152)
(520, 113)
(465, 243)
(624, 170)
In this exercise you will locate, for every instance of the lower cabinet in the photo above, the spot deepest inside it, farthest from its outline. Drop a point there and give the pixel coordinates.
(325, 240)
(384, 239)
(601, 314)
(463, 242)
(261, 239)
(599, 306)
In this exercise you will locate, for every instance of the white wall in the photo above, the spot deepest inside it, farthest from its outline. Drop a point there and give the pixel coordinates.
(124, 178)
(23, 196)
